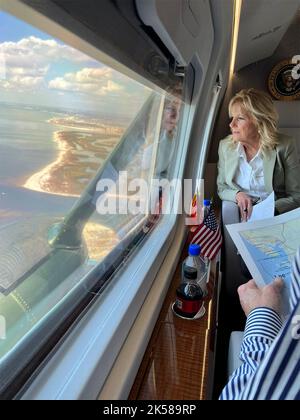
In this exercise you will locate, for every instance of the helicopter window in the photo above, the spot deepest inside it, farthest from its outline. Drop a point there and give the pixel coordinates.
(80, 146)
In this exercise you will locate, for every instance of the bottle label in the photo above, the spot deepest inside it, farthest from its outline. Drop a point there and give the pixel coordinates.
(188, 306)
(202, 284)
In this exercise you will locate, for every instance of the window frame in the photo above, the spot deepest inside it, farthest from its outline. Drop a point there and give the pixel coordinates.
(78, 367)
(87, 352)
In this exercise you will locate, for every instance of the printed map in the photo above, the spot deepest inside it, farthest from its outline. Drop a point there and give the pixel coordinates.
(268, 247)
(273, 248)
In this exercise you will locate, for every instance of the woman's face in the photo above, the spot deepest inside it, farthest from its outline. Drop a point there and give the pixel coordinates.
(171, 115)
(242, 126)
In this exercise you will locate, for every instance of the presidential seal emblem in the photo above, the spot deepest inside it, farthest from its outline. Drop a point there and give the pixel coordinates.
(282, 83)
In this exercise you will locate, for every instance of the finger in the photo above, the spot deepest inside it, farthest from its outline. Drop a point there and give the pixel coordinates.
(250, 208)
(249, 285)
(245, 213)
(242, 204)
(278, 282)
(252, 284)
(276, 286)
(241, 291)
(240, 210)
(243, 217)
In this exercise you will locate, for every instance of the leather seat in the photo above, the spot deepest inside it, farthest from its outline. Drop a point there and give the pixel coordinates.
(234, 276)
(234, 362)
(293, 132)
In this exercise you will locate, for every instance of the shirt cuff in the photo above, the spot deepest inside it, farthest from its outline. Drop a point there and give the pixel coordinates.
(263, 322)
(228, 195)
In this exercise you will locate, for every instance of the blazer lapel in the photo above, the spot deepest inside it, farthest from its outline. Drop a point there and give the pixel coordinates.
(269, 164)
(231, 166)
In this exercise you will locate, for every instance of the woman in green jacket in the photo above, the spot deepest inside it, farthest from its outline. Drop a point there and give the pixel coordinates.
(255, 159)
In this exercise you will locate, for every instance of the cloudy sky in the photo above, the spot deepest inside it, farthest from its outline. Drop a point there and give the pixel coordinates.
(37, 69)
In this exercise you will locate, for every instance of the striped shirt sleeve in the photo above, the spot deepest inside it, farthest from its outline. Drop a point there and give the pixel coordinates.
(270, 354)
(262, 327)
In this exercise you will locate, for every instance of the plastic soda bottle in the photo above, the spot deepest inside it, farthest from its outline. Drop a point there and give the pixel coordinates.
(206, 204)
(189, 296)
(194, 260)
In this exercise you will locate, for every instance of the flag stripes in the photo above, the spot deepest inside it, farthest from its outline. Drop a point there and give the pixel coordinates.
(208, 236)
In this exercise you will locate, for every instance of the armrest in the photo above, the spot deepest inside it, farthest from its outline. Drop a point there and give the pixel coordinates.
(235, 343)
(230, 213)
(233, 272)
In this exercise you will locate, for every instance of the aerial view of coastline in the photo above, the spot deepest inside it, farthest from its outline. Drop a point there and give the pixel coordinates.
(62, 113)
(61, 153)
(83, 146)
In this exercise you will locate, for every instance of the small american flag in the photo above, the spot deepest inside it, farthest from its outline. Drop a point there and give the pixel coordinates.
(208, 236)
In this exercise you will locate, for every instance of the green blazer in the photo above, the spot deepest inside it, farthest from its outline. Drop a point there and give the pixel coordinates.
(281, 172)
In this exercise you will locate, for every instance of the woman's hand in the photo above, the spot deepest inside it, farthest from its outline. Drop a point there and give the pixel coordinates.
(245, 205)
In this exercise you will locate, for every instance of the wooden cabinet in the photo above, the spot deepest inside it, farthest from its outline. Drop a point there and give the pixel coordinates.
(179, 361)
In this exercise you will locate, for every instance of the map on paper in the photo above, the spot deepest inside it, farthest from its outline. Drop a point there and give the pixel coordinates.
(264, 209)
(268, 246)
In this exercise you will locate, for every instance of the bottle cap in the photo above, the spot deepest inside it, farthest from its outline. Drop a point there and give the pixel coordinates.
(206, 203)
(194, 249)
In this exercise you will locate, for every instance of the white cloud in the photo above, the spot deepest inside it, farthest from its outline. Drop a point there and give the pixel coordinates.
(31, 58)
(88, 80)
(39, 51)
(87, 75)
(22, 83)
(2, 66)
(27, 81)
(25, 65)
(39, 72)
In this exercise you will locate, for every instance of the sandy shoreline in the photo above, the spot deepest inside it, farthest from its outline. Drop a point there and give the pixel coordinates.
(80, 155)
(37, 180)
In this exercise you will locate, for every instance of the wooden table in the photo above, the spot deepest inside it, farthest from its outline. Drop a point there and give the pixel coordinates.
(179, 361)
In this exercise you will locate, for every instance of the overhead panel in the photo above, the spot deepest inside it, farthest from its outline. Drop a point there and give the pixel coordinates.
(262, 26)
(184, 26)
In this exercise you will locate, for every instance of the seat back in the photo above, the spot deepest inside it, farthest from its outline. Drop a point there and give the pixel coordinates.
(235, 343)
(293, 132)
(234, 276)
(289, 122)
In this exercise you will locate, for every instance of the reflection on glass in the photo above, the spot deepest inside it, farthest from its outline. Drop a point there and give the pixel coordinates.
(66, 122)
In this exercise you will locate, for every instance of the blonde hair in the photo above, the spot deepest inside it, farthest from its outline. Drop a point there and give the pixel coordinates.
(261, 109)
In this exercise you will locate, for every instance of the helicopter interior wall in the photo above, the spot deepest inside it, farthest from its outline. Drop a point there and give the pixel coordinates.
(56, 15)
(181, 27)
(263, 24)
(256, 74)
(118, 385)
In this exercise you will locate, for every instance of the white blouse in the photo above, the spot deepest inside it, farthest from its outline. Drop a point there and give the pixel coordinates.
(249, 176)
